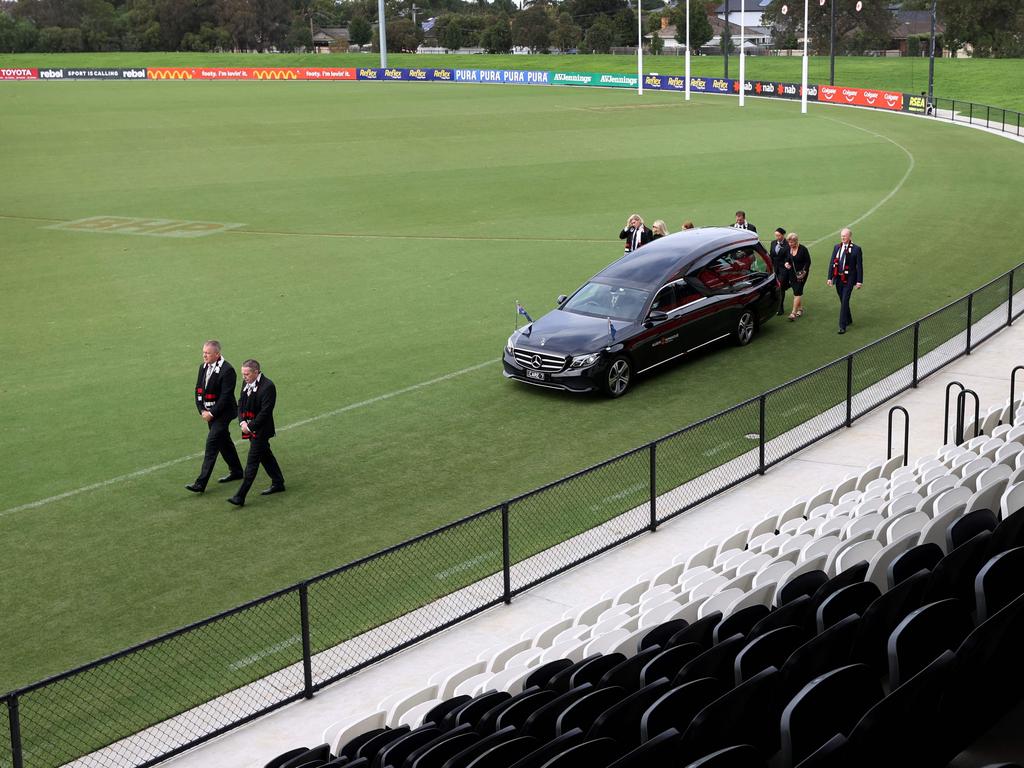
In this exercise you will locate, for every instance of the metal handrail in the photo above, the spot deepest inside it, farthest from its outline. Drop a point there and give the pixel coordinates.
(945, 413)
(906, 433)
(1013, 386)
(961, 407)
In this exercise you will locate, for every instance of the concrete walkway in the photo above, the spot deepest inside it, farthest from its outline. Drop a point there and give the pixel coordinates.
(986, 371)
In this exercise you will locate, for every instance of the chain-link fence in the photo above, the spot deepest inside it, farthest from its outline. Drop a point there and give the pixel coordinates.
(569, 521)
(124, 711)
(704, 459)
(388, 600)
(144, 704)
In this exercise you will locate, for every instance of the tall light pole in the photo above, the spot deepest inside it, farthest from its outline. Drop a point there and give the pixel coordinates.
(803, 80)
(687, 70)
(931, 67)
(743, 55)
(382, 34)
(725, 45)
(639, 50)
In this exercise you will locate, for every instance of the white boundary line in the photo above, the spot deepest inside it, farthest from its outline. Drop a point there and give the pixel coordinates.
(190, 457)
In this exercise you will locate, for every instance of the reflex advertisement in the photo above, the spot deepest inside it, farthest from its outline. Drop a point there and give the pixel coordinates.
(862, 97)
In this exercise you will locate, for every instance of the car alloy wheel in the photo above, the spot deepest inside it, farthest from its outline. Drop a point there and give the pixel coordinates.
(618, 377)
(745, 328)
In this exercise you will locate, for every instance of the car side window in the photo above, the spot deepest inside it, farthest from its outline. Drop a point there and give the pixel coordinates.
(733, 270)
(673, 296)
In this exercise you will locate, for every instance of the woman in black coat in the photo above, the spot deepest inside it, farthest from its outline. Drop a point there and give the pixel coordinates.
(779, 250)
(798, 264)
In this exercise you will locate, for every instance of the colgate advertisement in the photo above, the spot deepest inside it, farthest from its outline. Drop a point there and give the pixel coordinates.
(19, 74)
(251, 73)
(861, 97)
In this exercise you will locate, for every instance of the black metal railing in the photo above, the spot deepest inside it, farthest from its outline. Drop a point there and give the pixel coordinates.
(996, 118)
(142, 705)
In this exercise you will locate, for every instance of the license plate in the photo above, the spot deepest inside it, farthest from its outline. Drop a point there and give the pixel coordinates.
(535, 375)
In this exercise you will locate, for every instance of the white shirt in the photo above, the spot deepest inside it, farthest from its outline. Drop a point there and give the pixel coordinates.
(250, 388)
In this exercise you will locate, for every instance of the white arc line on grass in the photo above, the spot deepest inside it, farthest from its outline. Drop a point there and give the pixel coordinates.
(191, 457)
(885, 199)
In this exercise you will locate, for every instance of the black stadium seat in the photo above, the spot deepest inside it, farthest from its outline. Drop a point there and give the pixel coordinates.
(924, 635)
(285, 757)
(748, 714)
(589, 670)
(469, 754)
(1008, 534)
(661, 750)
(542, 722)
(827, 651)
(314, 756)
(473, 710)
(737, 756)
(668, 662)
(829, 704)
(621, 721)
(967, 526)
(437, 714)
(881, 618)
(848, 601)
(716, 662)
(799, 613)
(595, 753)
(517, 712)
(660, 634)
(999, 582)
(804, 584)
(900, 729)
(677, 707)
(584, 711)
(549, 749)
(922, 557)
(627, 672)
(851, 575)
(768, 650)
(371, 747)
(740, 622)
(488, 722)
(393, 755)
(442, 750)
(543, 674)
(700, 632)
(953, 575)
(500, 755)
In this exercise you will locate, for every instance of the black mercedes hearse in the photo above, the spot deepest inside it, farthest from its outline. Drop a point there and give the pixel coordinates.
(653, 305)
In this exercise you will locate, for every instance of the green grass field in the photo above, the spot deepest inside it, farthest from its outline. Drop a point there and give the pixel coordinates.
(998, 82)
(386, 231)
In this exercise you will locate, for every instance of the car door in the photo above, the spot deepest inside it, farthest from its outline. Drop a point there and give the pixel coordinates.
(659, 341)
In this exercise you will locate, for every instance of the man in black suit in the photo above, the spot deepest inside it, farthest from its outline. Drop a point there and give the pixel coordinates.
(215, 401)
(256, 417)
(846, 272)
(742, 223)
(635, 233)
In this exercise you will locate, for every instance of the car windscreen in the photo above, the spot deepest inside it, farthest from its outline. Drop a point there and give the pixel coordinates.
(602, 300)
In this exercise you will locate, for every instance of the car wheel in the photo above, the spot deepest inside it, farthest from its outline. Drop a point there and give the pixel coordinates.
(618, 377)
(745, 328)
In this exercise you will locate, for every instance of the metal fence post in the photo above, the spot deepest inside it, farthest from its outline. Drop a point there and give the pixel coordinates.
(506, 554)
(654, 487)
(307, 656)
(970, 319)
(15, 722)
(849, 390)
(1009, 302)
(760, 469)
(917, 342)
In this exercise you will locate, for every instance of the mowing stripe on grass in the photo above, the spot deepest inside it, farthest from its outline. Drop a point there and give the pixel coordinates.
(248, 661)
(191, 457)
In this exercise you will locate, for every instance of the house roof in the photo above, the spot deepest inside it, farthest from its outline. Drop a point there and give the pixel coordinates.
(749, 5)
(915, 23)
(332, 33)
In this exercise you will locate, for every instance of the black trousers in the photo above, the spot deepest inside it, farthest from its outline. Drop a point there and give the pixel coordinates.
(218, 441)
(844, 291)
(260, 453)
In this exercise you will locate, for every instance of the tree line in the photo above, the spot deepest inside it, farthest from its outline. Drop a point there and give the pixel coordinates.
(992, 27)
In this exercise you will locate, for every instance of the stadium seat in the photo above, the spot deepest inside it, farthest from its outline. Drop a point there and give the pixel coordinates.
(589, 670)
(852, 600)
(967, 526)
(737, 756)
(369, 748)
(768, 650)
(584, 711)
(435, 752)
(621, 721)
(652, 752)
(541, 675)
(747, 714)
(515, 712)
(473, 710)
(668, 662)
(830, 703)
(827, 650)
(500, 755)
(546, 750)
(799, 612)
(677, 706)
(900, 729)
(953, 575)
(700, 632)
(598, 753)
(922, 557)
(715, 662)
(464, 758)
(286, 757)
(923, 635)
(999, 582)
(882, 617)
(627, 672)
(878, 566)
(542, 722)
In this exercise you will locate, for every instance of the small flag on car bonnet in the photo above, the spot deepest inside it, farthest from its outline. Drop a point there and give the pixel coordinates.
(611, 328)
(522, 311)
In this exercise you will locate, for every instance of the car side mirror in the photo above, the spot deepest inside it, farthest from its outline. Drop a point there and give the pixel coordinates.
(656, 316)
(560, 300)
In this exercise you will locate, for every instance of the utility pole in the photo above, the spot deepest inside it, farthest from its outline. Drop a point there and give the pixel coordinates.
(382, 34)
(931, 67)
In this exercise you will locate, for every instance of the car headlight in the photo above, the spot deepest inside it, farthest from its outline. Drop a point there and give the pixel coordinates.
(585, 361)
(508, 344)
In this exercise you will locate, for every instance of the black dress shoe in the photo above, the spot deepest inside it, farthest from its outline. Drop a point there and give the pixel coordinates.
(272, 489)
(842, 330)
(195, 488)
(231, 478)
(236, 501)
